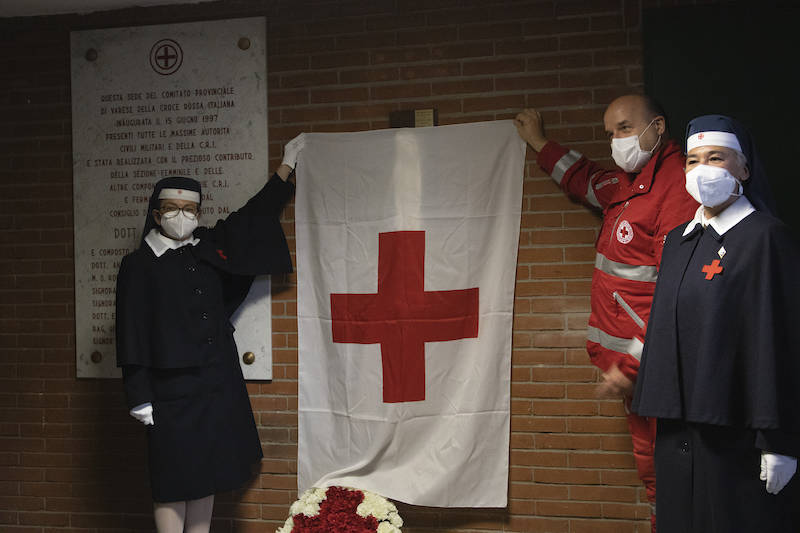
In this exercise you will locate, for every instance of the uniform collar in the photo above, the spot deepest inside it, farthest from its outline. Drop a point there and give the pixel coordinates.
(643, 180)
(732, 215)
(160, 244)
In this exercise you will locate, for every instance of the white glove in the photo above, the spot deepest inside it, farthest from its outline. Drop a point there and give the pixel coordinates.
(292, 150)
(144, 414)
(777, 470)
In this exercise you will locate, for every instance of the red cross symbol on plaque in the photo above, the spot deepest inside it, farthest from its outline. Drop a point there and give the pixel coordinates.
(712, 269)
(166, 56)
(402, 316)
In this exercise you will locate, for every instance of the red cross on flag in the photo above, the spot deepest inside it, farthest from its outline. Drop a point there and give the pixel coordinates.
(406, 259)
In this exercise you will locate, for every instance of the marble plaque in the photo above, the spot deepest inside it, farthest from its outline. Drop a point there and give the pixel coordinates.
(150, 102)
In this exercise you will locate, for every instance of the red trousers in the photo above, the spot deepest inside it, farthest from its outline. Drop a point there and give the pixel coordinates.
(643, 436)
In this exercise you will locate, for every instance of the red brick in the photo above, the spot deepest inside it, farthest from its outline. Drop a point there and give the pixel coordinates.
(562, 271)
(550, 305)
(307, 79)
(524, 357)
(539, 288)
(557, 374)
(603, 494)
(529, 82)
(333, 26)
(494, 66)
(399, 55)
(567, 509)
(608, 526)
(570, 476)
(539, 458)
(339, 59)
(363, 41)
(542, 255)
(557, 26)
(585, 7)
(404, 90)
(307, 45)
(603, 40)
(597, 425)
(370, 75)
(513, 102)
(538, 322)
(43, 519)
(427, 36)
(352, 94)
(453, 16)
(567, 442)
(562, 408)
(538, 491)
(461, 50)
(527, 45)
(309, 114)
(593, 78)
(538, 424)
(462, 87)
(626, 511)
(439, 70)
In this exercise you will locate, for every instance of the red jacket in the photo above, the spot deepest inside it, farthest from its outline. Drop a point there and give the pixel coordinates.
(638, 212)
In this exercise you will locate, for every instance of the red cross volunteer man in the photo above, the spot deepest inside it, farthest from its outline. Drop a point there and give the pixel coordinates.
(641, 202)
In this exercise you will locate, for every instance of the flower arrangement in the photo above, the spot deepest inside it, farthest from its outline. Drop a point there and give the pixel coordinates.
(342, 510)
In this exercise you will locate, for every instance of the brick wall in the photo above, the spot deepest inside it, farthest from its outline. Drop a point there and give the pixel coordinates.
(71, 459)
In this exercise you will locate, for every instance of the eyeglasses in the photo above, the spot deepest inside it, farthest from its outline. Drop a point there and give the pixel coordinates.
(190, 211)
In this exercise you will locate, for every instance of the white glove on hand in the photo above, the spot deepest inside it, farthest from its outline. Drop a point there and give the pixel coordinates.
(777, 470)
(292, 150)
(144, 414)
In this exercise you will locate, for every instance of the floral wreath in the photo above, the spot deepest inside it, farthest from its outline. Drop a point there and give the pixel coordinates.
(342, 510)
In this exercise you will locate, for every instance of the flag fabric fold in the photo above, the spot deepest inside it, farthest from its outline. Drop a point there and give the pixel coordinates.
(406, 254)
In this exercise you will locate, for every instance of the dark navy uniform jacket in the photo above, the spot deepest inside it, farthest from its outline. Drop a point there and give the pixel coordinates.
(175, 345)
(721, 372)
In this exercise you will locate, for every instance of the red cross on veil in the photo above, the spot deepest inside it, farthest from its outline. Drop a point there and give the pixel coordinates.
(402, 316)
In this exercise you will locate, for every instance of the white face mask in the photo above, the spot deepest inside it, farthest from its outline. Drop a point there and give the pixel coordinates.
(179, 226)
(712, 186)
(628, 153)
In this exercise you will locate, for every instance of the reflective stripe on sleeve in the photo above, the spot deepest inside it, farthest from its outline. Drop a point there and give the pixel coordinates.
(563, 164)
(631, 347)
(621, 270)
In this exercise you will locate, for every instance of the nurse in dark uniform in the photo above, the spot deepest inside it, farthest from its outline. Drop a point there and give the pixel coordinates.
(175, 296)
(721, 362)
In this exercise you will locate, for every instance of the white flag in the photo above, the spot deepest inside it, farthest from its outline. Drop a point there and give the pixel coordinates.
(406, 253)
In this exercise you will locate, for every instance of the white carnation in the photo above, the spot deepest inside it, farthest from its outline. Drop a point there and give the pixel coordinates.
(383, 510)
(313, 495)
(386, 527)
(301, 507)
(309, 501)
(395, 519)
(287, 526)
(374, 505)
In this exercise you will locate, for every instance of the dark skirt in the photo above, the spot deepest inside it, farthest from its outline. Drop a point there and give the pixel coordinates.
(204, 439)
(708, 482)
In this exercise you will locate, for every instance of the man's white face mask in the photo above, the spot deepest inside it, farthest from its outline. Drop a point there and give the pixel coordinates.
(628, 153)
